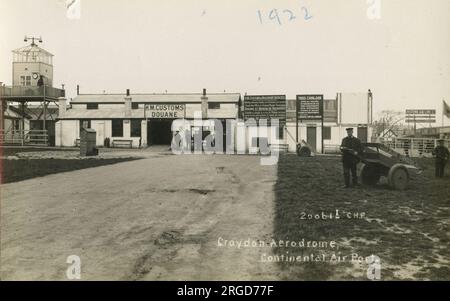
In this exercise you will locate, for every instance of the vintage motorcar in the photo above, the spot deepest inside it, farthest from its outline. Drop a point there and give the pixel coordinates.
(378, 160)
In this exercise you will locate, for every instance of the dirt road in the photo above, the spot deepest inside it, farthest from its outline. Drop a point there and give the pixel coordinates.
(150, 219)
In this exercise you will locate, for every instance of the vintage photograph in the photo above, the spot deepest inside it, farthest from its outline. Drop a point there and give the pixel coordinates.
(210, 140)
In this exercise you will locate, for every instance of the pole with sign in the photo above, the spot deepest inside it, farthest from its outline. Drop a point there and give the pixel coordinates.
(420, 116)
(266, 107)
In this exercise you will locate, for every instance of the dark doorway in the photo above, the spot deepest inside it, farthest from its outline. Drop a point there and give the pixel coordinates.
(311, 137)
(362, 134)
(159, 131)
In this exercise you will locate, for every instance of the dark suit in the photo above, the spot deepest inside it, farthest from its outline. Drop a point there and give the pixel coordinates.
(349, 160)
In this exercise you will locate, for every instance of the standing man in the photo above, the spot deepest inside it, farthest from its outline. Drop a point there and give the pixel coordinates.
(350, 147)
(442, 155)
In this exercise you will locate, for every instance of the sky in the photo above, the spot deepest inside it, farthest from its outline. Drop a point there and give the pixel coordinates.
(247, 46)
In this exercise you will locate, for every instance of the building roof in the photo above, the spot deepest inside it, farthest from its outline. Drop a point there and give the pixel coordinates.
(37, 112)
(157, 98)
(32, 53)
(100, 114)
(15, 113)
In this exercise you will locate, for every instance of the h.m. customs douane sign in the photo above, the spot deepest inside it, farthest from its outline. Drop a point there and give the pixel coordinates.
(172, 111)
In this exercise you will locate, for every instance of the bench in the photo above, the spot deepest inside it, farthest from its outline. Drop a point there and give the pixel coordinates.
(122, 143)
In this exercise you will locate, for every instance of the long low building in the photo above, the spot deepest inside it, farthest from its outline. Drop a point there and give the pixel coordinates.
(139, 119)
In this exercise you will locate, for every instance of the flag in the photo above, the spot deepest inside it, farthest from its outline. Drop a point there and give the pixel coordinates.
(446, 109)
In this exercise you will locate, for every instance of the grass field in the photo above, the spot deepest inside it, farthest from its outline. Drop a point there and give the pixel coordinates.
(408, 230)
(13, 170)
(22, 169)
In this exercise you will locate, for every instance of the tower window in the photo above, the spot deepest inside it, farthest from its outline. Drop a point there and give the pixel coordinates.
(22, 80)
(28, 82)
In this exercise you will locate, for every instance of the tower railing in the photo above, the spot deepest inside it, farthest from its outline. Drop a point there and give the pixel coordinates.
(20, 92)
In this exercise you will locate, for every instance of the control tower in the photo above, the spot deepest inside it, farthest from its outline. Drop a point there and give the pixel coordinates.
(29, 106)
(30, 64)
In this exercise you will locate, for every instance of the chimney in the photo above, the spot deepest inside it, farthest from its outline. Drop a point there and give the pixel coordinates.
(128, 104)
(204, 99)
(78, 89)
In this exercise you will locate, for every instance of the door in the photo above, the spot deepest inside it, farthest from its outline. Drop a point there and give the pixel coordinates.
(159, 131)
(311, 137)
(100, 128)
(362, 134)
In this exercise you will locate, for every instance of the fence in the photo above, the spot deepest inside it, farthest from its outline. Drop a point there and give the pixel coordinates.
(27, 137)
(412, 147)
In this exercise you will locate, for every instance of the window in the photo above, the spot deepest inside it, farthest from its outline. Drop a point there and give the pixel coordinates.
(28, 82)
(117, 127)
(135, 129)
(326, 133)
(92, 106)
(84, 124)
(22, 80)
(329, 104)
(134, 105)
(281, 132)
(214, 105)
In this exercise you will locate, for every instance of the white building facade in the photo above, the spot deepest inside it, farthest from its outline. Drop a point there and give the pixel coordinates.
(139, 120)
(346, 110)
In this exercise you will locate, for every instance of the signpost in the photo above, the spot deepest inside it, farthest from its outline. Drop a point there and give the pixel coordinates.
(310, 107)
(420, 116)
(265, 107)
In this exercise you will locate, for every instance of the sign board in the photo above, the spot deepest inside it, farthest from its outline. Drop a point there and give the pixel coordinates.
(420, 112)
(265, 107)
(421, 120)
(170, 111)
(420, 116)
(309, 107)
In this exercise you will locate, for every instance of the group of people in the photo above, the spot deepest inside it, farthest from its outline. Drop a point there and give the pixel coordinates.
(351, 146)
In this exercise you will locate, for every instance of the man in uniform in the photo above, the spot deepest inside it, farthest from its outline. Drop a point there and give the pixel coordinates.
(350, 147)
(442, 155)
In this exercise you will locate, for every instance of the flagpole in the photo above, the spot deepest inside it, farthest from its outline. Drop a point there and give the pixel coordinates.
(443, 109)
